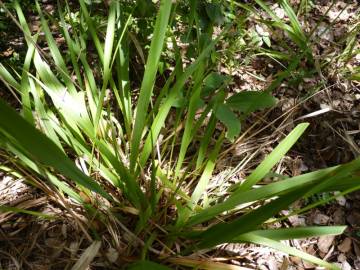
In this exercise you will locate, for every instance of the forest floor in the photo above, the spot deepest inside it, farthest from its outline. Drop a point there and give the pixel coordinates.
(333, 111)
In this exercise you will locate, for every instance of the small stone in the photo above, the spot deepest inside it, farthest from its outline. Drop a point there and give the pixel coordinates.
(345, 245)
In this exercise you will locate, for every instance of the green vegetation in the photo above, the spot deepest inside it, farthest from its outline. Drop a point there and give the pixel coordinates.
(135, 138)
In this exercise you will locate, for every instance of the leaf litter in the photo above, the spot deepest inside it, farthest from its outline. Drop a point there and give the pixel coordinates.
(30, 242)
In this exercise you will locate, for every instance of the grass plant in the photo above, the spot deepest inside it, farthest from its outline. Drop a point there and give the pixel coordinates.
(136, 151)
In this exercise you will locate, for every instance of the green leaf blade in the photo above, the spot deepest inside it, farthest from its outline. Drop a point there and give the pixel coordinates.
(250, 101)
(149, 78)
(230, 120)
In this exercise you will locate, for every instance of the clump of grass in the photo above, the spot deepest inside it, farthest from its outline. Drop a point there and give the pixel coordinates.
(136, 154)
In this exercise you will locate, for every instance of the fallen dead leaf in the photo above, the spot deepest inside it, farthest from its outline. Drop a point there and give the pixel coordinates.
(354, 219)
(311, 250)
(357, 249)
(345, 266)
(325, 242)
(357, 264)
(272, 263)
(87, 257)
(285, 264)
(339, 217)
(297, 221)
(321, 219)
(8, 52)
(345, 245)
(341, 258)
(295, 260)
(308, 265)
(112, 254)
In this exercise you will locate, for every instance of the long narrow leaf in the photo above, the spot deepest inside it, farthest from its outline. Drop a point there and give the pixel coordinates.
(256, 239)
(226, 232)
(109, 41)
(149, 78)
(42, 149)
(261, 193)
(296, 233)
(174, 93)
(278, 153)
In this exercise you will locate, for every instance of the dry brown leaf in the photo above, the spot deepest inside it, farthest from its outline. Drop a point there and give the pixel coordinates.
(354, 219)
(112, 254)
(285, 264)
(308, 265)
(339, 217)
(321, 219)
(344, 265)
(87, 257)
(341, 258)
(325, 242)
(345, 245)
